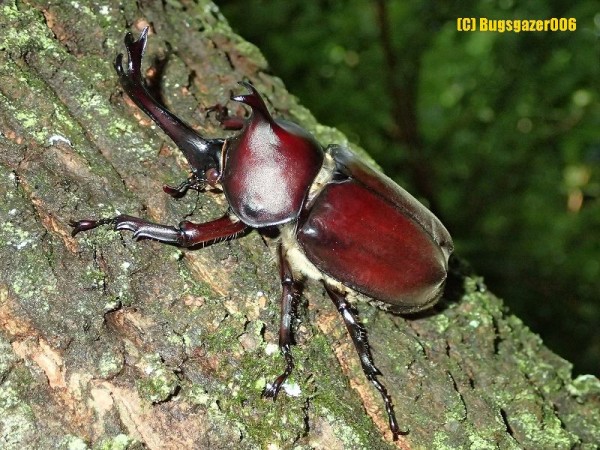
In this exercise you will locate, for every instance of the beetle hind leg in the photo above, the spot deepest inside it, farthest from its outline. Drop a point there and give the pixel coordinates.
(361, 343)
(289, 299)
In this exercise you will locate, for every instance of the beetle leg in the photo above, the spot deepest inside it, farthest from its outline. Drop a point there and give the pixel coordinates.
(227, 122)
(289, 298)
(187, 234)
(179, 191)
(361, 343)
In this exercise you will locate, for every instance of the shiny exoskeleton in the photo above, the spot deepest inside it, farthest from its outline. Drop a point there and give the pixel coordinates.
(338, 220)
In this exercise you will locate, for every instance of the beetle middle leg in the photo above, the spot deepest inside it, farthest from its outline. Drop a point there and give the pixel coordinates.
(289, 298)
(186, 234)
(361, 343)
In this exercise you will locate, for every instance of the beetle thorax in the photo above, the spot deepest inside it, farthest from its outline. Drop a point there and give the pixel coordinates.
(268, 171)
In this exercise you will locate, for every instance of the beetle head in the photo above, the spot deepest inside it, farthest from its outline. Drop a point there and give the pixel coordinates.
(204, 158)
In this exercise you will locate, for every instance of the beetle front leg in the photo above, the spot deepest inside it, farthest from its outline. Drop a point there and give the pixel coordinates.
(289, 297)
(361, 343)
(227, 122)
(187, 234)
(180, 190)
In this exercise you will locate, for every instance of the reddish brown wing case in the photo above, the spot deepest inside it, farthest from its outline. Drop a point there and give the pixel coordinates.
(374, 237)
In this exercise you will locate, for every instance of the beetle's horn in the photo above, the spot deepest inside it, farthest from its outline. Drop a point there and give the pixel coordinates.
(254, 100)
(201, 153)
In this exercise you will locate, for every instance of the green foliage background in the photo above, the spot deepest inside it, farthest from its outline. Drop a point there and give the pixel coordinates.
(499, 132)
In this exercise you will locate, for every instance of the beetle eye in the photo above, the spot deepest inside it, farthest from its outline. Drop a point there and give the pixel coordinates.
(212, 176)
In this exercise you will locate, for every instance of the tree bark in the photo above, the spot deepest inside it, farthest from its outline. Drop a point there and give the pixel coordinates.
(110, 343)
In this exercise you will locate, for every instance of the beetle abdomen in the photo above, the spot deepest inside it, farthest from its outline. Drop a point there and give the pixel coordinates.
(371, 245)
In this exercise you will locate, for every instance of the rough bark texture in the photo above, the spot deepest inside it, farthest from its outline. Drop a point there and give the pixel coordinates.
(109, 343)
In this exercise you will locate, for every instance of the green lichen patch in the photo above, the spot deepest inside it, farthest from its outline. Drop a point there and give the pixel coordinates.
(24, 30)
(582, 417)
(119, 442)
(110, 364)
(71, 442)
(17, 419)
(7, 356)
(585, 386)
(157, 383)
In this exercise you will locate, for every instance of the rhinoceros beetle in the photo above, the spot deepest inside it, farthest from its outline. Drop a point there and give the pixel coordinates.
(337, 220)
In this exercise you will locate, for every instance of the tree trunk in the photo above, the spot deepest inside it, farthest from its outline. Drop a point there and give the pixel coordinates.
(110, 343)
